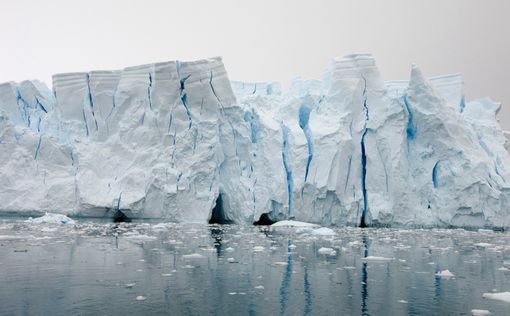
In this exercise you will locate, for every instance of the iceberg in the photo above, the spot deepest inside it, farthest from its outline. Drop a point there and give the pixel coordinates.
(179, 141)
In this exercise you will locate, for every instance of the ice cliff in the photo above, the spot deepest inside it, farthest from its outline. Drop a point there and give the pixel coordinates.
(179, 141)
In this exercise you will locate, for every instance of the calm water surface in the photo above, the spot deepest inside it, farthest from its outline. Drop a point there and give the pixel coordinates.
(94, 268)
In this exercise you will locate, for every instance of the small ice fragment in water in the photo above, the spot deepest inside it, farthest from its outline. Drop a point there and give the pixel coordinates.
(480, 312)
(258, 248)
(376, 258)
(229, 249)
(231, 260)
(141, 298)
(501, 296)
(327, 251)
(483, 244)
(292, 224)
(445, 274)
(259, 287)
(166, 274)
(323, 231)
(130, 285)
(292, 246)
(280, 263)
(232, 293)
(193, 256)
(402, 301)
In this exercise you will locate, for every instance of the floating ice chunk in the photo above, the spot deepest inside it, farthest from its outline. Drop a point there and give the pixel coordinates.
(130, 285)
(483, 244)
(327, 251)
(323, 231)
(376, 258)
(402, 301)
(229, 249)
(445, 274)
(480, 312)
(193, 256)
(141, 298)
(231, 260)
(280, 263)
(258, 248)
(259, 287)
(51, 218)
(293, 224)
(501, 296)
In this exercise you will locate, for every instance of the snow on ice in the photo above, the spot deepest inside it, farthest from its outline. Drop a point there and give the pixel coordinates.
(179, 141)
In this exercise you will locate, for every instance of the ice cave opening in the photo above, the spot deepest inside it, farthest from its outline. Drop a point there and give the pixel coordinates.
(218, 213)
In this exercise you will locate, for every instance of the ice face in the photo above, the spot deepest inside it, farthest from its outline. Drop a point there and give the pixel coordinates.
(178, 140)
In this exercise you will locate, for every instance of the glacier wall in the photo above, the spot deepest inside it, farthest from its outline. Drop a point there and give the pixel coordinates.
(179, 141)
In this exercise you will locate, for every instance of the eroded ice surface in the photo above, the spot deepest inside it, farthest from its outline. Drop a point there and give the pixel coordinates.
(178, 140)
(147, 268)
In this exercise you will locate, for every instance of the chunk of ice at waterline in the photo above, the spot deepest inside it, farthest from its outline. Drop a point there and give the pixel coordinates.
(327, 251)
(51, 218)
(445, 274)
(501, 296)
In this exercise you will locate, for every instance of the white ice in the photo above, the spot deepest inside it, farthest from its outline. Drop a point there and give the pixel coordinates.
(179, 141)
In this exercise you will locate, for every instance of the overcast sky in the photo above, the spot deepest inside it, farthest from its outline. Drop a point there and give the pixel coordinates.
(263, 40)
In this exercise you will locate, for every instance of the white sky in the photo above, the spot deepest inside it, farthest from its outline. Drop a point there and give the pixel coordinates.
(262, 40)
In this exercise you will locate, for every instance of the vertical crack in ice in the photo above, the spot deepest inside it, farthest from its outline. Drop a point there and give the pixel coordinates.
(286, 165)
(224, 114)
(149, 90)
(214, 91)
(39, 125)
(434, 174)
(118, 201)
(91, 102)
(462, 104)
(304, 117)
(85, 121)
(38, 148)
(170, 118)
(114, 104)
(38, 102)
(252, 118)
(348, 173)
(182, 93)
(410, 130)
(364, 159)
(25, 115)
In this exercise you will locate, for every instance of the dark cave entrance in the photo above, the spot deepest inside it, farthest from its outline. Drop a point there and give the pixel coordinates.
(120, 217)
(218, 213)
(264, 220)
